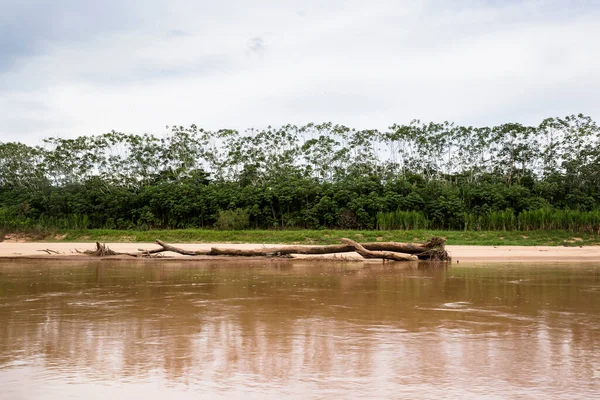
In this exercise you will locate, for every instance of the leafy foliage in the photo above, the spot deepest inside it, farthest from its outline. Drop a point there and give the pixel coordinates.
(233, 219)
(415, 176)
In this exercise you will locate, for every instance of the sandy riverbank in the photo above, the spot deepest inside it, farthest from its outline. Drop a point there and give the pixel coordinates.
(458, 253)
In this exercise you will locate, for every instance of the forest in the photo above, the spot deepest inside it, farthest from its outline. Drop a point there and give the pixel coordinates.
(421, 175)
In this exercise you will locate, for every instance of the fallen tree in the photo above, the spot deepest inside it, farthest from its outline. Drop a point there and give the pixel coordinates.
(385, 255)
(433, 249)
(407, 248)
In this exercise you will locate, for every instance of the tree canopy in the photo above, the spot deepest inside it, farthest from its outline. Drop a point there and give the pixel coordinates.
(318, 175)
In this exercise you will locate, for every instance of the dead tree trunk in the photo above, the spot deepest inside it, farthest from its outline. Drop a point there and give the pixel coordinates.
(389, 253)
(168, 247)
(431, 250)
(386, 255)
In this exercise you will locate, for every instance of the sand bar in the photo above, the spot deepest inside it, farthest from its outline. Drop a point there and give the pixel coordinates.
(462, 254)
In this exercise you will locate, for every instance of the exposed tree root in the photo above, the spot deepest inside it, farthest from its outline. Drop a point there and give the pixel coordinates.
(102, 250)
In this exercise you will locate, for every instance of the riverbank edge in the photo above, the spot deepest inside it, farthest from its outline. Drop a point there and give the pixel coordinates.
(308, 237)
(459, 254)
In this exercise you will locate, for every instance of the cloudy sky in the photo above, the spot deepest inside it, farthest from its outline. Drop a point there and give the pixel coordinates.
(71, 67)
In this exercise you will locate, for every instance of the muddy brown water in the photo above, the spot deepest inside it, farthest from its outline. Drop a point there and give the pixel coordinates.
(270, 330)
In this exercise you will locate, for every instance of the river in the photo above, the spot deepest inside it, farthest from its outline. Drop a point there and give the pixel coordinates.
(272, 330)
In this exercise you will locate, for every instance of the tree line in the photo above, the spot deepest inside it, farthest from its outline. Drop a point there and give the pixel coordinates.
(441, 175)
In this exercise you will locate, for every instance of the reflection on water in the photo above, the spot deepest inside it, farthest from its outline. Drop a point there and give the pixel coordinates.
(273, 330)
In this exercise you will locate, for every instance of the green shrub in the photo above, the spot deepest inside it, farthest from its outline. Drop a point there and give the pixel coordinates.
(233, 219)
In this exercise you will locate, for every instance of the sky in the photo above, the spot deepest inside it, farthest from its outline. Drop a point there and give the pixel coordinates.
(83, 67)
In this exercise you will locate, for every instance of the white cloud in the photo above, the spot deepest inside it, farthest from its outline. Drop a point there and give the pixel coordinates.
(350, 62)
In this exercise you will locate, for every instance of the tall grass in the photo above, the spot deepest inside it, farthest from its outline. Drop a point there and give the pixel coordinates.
(402, 220)
(543, 219)
(491, 221)
(550, 219)
(506, 220)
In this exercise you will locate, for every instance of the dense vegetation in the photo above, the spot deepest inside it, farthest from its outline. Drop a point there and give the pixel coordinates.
(415, 176)
(310, 236)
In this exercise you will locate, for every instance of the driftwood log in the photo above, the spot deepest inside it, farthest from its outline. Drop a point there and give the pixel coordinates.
(316, 250)
(49, 251)
(433, 249)
(386, 255)
(408, 248)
